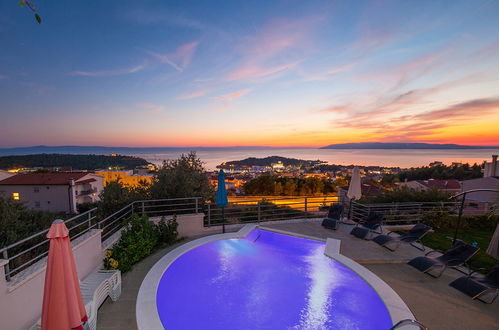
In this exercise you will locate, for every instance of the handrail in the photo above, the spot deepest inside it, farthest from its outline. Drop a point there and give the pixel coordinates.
(472, 191)
(463, 199)
(35, 251)
(44, 231)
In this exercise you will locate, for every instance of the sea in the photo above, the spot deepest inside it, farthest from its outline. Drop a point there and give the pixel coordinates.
(403, 158)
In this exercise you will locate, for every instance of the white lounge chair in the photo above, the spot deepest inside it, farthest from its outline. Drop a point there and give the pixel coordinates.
(94, 290)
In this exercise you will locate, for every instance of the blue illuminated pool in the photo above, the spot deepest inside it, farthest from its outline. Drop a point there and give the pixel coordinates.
(266, 281)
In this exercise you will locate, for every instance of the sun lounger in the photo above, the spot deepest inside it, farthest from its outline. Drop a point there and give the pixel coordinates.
(456, 256)
(333, 217)
(372, 224)
(477, 287)
(95, 288)
(411, 237)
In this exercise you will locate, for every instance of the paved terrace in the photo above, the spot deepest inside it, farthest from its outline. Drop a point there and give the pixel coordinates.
(431, 300)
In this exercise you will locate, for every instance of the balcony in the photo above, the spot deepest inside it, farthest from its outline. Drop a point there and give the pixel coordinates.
(86, 192)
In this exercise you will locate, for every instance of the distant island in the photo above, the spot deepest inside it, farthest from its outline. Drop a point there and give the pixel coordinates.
(387, 145)
(75, 162)
(268, 161)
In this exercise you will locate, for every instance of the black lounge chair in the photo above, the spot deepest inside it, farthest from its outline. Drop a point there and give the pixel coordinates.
(456, 256)
(478, 286)
(333, 216)
(372, 224)
(411, 237)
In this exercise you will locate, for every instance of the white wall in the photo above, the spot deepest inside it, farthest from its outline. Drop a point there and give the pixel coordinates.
(21, 298)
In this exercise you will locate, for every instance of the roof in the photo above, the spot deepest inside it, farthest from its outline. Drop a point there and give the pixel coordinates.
(57, 178)
(86, 181)
(451, 184)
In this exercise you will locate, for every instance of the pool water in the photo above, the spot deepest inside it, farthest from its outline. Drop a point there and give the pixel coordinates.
(266, 281)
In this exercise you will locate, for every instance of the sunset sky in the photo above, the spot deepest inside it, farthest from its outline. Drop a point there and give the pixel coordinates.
(226, 73)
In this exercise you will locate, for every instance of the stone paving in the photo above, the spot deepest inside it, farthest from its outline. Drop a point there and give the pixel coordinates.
(432, 301)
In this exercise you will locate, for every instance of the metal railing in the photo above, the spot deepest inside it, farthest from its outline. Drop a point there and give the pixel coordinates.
(272, 209)
(400, 213)
(26, 252)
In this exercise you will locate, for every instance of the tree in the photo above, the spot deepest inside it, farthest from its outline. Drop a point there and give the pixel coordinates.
(182, 177)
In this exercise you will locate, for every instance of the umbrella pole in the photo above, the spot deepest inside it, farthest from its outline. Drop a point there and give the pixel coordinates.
(223, 219)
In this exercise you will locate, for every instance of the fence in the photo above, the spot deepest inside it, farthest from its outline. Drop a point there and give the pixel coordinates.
(273, 209)
(34, 248)
(399, 213)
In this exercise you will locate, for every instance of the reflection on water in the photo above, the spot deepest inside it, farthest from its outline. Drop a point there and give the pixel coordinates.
(273, 282)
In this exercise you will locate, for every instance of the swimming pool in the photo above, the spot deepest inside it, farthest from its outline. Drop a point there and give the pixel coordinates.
(265, 280)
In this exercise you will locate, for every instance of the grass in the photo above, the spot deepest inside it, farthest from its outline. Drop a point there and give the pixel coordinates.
(441, 240)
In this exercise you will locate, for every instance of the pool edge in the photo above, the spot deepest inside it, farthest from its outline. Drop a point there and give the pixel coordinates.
(146, 309)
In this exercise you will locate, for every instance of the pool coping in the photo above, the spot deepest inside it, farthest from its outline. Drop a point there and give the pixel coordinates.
(147, 312)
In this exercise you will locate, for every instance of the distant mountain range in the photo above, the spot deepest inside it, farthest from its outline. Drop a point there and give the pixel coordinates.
(101, 150)
(383, 145)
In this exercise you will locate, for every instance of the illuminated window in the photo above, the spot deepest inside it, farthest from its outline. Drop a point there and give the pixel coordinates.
(15, 196)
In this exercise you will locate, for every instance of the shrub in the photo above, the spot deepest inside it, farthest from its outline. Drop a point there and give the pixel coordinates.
(167, 230)
(138, 240)
(440, 218)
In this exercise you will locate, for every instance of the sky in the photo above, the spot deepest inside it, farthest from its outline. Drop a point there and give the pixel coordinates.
(248, 73)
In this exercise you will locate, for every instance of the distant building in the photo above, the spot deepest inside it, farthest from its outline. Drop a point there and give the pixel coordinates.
(491, 168)
(481, 200)
(279, 166)
(450, 185)
(436, 163)
(368, 190)
(57, 192)
(127, 178)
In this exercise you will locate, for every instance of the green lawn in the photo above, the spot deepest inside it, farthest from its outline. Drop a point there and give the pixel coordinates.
(441, 240)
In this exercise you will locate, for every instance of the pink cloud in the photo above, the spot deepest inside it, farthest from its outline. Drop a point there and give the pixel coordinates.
(260, 52)
(151, 107)
(195, 94)
(107, 73)
(233, 95)
(180, 58)
(252, 70)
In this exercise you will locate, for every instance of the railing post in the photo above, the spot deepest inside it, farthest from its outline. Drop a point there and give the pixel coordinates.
(196, 204)
(7, 270)
(142, 205)
(132, 208)
(460, 215)
(259, 212)
(209, 214)
(306, 208)
(89, 220)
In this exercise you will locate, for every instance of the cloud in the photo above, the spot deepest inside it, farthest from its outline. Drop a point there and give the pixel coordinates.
(279, 45)
(336, 109)
(462, 111)
(195, 94)
(159, 16)
(404, 127)
(151, 108)
(233, 95)
(180, 58)
(3, 77)
(251, 71)
(108, 73)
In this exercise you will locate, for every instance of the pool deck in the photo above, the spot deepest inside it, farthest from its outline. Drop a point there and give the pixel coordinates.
(431, 300)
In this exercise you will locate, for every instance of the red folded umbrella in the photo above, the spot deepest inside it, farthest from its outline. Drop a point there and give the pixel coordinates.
(62, 303)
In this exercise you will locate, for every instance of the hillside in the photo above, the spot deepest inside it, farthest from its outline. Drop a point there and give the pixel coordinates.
(77, 162)
(383, 145)
(268, 161)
